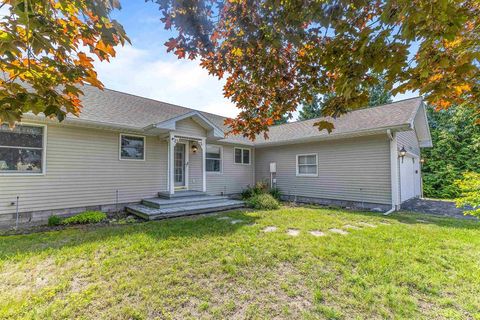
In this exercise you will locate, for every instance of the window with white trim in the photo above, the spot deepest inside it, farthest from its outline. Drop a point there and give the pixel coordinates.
(213, 159)
(307, 165)
(132, 147)
(242, 156)
(22, 149)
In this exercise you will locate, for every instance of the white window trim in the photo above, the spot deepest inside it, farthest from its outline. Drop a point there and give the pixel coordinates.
(250, 156)
(306, 174)
(44, 153)
(132, 135)
(221, 159)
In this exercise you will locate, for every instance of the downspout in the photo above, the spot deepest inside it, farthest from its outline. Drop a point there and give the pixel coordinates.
(393, 171)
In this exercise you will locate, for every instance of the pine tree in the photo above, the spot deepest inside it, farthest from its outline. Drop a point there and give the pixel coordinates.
(312, 109)
(378, 94)
(456, 150)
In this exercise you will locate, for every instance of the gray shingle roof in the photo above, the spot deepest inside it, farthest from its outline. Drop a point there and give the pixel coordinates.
(396, 114)
(123, 109)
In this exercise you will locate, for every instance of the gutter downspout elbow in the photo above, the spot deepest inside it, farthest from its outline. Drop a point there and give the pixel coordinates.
(389, 134)
(390, 211)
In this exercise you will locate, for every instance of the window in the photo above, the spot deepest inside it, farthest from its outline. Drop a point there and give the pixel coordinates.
(132, 147)
(22, 149)
(307, 165)
(213, 159)
(242, 156)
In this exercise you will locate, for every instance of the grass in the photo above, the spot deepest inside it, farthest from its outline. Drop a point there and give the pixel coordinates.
(208, 268)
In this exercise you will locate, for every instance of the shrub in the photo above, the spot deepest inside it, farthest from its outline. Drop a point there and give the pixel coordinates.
(86, 217)
(249, 192)
(263, 201)
(470, 193)
(260, 187)
(275, 192)
(54, 220)
(246, 193)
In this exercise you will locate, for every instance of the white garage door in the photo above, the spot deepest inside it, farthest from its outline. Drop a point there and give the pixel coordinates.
(407, 178)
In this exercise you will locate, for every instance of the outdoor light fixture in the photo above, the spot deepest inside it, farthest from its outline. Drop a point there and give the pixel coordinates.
(402, 153)
(422, 160)
(194, 148)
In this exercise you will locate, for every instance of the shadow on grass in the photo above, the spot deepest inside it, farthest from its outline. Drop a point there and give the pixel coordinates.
(190, 227)
(408, 217)
(441, 221)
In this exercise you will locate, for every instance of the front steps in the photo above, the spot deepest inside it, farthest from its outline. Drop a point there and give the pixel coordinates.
(183, 205)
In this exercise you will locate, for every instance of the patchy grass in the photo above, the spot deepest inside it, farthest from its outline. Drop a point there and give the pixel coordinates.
(392, 267)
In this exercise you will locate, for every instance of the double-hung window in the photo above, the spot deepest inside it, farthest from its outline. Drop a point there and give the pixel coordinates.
(242, 156)
(307, 165)
(132, 147)
(213, 159)
(22, 149)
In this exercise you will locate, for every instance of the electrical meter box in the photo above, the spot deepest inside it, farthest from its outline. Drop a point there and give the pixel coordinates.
(273, 167)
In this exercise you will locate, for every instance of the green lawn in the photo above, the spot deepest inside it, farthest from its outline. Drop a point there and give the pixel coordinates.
(208, 268)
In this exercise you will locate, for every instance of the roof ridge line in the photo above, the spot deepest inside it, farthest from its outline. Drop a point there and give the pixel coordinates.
(364, 108)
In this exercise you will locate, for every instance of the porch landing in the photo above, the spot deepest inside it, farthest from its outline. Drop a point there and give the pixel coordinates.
(181, 194)
(184, 204)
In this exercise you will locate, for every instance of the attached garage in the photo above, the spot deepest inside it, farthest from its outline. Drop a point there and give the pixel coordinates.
(409, 166)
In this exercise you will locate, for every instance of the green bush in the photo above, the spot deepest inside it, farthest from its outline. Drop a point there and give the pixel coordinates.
(469, 187)
(259, 188)
(275, 192)
(86, 217)
(54, 221)
(263, 201)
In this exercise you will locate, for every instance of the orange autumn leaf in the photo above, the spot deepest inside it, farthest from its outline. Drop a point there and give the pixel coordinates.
(435, 77)
(84, 60)
(462, 88)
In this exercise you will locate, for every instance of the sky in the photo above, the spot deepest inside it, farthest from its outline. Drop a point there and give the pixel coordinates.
(146, 69)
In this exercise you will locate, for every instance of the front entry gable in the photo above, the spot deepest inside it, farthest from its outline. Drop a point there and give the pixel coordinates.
(181, 123)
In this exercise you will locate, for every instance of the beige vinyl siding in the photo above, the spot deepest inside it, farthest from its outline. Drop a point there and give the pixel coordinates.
(351, 169)
(409, 140)
(234, 177)
(83, 169)
(189, 127)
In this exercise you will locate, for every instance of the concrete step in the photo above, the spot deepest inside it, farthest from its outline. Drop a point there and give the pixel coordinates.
(180, 194)
(168, 203)
(150, 213)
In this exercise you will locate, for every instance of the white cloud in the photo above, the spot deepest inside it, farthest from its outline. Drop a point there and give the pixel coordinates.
(157, 76)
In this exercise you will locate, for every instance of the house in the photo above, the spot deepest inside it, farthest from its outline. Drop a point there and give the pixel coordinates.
(124, 148)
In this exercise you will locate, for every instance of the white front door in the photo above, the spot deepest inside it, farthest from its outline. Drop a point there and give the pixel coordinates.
(180, 165)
